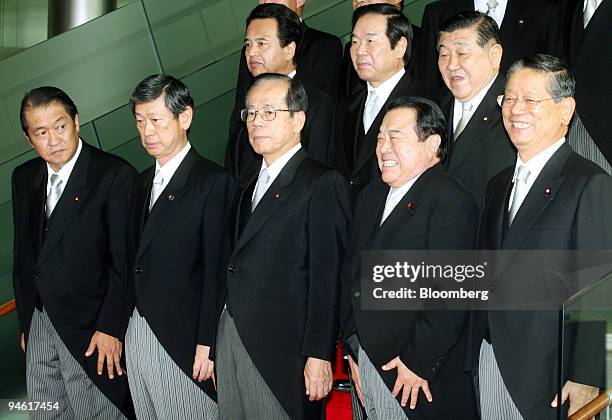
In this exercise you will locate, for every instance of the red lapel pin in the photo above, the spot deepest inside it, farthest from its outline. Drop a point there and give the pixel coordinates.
(410, 205)
(277, 196)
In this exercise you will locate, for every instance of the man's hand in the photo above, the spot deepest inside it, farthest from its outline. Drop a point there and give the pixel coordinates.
(408, 380)
(579, 396)
(317, 378)
(356, 378)
(22, 342)
(202, 366)
(109, 349)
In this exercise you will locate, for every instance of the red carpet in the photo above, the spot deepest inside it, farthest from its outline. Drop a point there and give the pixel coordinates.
(339, 403)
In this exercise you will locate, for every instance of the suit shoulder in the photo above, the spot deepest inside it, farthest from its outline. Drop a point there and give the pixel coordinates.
(316, 170)
(316, 35)
(27, 167)
(316, 95)
(577, 165)
(108, 160)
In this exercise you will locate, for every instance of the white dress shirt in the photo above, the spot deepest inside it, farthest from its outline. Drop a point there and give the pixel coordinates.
(395, 195)
(535, 166)
(383, 91)
(66, 170)
(475, 102)
(167, 171)
(275, 168)
(497, 14)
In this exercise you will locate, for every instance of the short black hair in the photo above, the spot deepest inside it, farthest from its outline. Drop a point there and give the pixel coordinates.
(289, 28)
(485, 26)
(561, 82)
(176, 95)
(296, 98)
(429, 120)
(398, 25)
(43, 96)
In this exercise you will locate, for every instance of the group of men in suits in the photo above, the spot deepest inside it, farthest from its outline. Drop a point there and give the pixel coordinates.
(227, 288)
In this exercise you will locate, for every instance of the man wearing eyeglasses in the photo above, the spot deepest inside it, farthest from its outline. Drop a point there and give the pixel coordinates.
(469, 60)
(549, 199)
(286, 239)
(272, 43)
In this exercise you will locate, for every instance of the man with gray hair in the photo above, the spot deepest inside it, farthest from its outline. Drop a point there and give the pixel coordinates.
(550, 199)
(469, 60)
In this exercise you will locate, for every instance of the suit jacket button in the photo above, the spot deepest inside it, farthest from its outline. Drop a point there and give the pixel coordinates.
(37, 276)
(356, 294)
(231, 269)
(139, 270)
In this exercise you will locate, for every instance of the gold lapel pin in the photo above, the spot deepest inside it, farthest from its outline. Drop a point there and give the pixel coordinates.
(170, 197)
(485, 119)
(76, 198)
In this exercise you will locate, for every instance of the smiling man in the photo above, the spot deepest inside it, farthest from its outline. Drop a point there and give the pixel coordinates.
(70, 269)
(288, 229)
(178, 213)
(380, 48)
(469, 58)
(519, 381)
(408, 364)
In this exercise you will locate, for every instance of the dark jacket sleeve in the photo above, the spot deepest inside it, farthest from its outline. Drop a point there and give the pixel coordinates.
(214, 218)
(328, 222)
(116, 218)
(452, 227)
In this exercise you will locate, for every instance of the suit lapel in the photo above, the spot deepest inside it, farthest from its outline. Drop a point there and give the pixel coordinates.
(541, 194)
(515, 20)
(597, 20)
(275, 197)
(168, 199)
(373, 212)
(37, 200)
(486, 116)
(73, 196)
(368, 146)
(354, 120)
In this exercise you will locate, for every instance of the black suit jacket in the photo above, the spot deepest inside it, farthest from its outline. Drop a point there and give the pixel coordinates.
(175, 262)
(80, 268)
(318, 61)
(483, 149)
(528, 27)
(282, 270)
(354, 154)
(575, 215)
(317, 135)
(443, 216)
(590, 64)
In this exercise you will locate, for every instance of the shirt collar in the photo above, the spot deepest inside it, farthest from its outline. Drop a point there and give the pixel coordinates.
(399, 192)
(384, 90)
(66, 170)
(537, 163)
(278, 165)
(476, 100)
(168, 170)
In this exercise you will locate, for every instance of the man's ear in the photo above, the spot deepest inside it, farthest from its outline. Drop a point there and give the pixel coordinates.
(185, 118)
(289, 51)
(433, 144)
(495, 55)
(568, 106)
(300, 119)
(400, 48)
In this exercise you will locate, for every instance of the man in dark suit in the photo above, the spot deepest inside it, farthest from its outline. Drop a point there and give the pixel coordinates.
(289, 223)
(272, 45)
(318, 58)
(470, 56)
(394, 355)
(350, 83)
(379, 61)
(551, 199)
(588, 30)
(70, 209)
(526, 27)
(178, 213)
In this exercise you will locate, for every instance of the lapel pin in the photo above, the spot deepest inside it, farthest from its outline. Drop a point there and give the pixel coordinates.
(410, 205)
(485, 119)
(547, 192)
(277, 196)
(170, 197)
(76, 198)
(521, 21)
